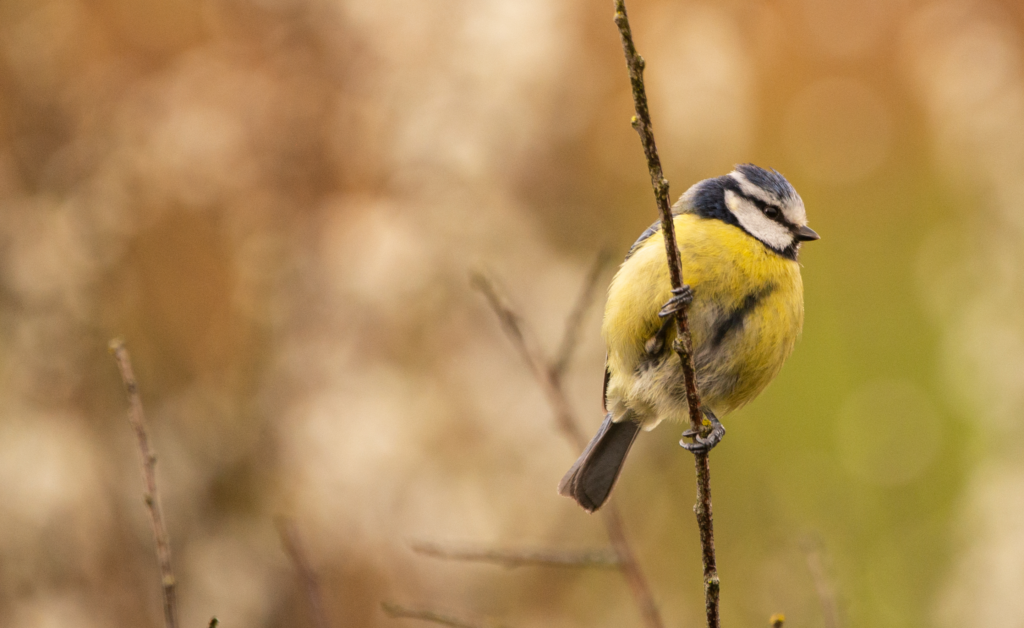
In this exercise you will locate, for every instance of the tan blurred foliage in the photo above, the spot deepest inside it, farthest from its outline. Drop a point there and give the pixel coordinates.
(277, 203)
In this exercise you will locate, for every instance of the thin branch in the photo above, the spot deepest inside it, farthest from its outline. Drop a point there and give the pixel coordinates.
(307, 577)
(684, 344)
(631, 570)
(512, 558)
(570, 338)
(401, 612)
(152, 496)
(822, 583)
(542, 370)
(566, 422)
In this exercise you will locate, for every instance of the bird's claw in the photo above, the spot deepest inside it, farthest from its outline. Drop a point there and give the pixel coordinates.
(681, 299)
(704, 444)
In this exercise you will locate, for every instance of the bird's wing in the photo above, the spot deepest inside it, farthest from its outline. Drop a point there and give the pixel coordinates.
(604, 391)
(655, 228)
(650, 231)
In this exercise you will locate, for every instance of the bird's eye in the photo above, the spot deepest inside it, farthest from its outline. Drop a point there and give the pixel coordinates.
(771, 211)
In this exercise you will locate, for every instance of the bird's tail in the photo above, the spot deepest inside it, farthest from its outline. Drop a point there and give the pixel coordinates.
(591, 478)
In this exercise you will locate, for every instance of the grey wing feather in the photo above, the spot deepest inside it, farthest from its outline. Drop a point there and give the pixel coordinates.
(682, 206)
(655, 228)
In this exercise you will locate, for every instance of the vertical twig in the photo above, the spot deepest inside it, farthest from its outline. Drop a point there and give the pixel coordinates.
(631, 570)
(152, 495)
(570, 337)
(683, 345)
(307, 577)
(822, 585)
(550, 381)
(542, 371)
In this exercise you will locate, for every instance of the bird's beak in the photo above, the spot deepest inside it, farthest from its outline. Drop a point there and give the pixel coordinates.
(805, 234)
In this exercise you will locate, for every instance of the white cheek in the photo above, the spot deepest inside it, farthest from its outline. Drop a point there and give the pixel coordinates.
(757, 224)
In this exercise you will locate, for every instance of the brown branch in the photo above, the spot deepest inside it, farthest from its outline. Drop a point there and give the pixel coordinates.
(307, 577)
(634, 575)
(152, 496)
(684, 344)
(822, 584)
(570, 337)
(401, 612)
(542, 370)
(512, 558)
(551, 383)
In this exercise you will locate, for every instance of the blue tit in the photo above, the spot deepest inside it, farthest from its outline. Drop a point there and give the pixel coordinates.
(738, 237)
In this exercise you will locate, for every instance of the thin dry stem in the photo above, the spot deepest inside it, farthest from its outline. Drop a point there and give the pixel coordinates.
(573, 323)
(822, 583)
(292, 544)
(683, 344)
(152, 496)
(512, 558)
(542, 370)
(631, 570)
(402, 612)
(551, 383)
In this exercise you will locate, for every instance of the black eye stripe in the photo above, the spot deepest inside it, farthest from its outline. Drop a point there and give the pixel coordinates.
(731, 184)
(776, 211)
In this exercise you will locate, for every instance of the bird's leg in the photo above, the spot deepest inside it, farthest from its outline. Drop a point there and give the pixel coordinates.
(681, 299)
(656, 343)
(704, 444)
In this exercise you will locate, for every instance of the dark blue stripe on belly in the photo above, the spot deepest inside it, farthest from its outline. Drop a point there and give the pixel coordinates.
(734, 320)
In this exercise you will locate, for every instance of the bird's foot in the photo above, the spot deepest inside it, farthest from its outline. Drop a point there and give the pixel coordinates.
(704, 444)
(681, 299)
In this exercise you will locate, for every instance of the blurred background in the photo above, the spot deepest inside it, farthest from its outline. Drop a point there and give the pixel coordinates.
(277, 204)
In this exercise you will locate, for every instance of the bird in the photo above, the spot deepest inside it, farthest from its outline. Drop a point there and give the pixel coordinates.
(739, 236)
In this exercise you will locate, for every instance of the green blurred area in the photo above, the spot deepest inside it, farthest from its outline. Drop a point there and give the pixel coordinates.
(277, 203)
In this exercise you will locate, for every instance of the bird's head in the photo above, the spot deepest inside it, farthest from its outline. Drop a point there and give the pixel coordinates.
(758, 201)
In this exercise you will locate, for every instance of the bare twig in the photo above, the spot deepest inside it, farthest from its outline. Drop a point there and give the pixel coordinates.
(777, 620)
(152, 495)
(570, 337)
(683, 345)
(401, 612)
(631, 570)
(551, 383)
(293, 547)
(512, 558)
(822, 583)
(542, 370)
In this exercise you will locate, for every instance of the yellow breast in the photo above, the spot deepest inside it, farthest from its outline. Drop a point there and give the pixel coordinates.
(746, 315)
